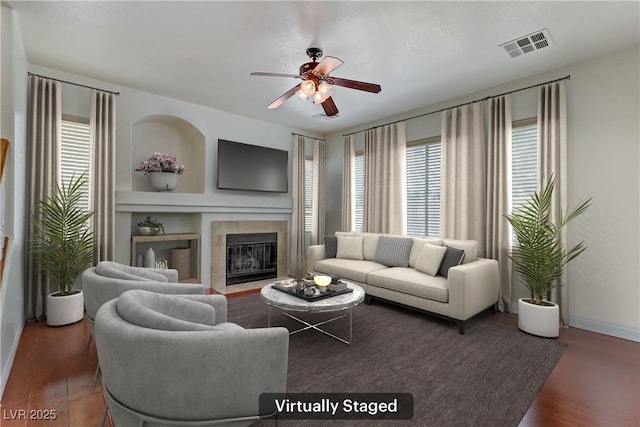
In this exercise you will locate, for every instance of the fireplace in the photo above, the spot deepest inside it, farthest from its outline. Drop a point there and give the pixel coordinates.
(251, 257)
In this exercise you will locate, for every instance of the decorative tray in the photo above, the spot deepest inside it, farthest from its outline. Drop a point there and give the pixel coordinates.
(310, 298)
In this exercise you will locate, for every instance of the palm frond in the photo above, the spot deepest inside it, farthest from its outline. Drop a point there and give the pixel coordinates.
(538, 256)
(63, 244)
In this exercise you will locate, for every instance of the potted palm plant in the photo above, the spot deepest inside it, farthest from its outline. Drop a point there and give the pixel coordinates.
(63, 247)
(539, 258)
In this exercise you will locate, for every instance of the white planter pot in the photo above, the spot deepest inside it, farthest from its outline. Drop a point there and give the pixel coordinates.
(65, 310)
(163, 181)
(540, 320)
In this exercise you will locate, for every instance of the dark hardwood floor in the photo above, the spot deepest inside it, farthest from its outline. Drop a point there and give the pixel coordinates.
(595, 383)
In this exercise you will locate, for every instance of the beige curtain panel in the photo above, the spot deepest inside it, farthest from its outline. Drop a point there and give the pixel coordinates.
(463, 193)
(552, 158)
(103, 179)
(349, 183)
(43, 158)
(498, 229)
(385, 179)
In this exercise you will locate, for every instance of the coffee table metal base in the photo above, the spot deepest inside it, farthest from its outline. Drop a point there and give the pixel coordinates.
(316, 325)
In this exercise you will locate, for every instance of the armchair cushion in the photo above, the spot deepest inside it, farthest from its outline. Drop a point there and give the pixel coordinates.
(126, 272)
(168, 313)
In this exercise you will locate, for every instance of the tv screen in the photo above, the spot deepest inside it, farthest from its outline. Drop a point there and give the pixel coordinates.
(251, 167)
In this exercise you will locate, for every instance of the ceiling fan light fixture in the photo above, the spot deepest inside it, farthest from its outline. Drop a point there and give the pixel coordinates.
(308, 87)
(318, 98)
(325, 89)
(301, 94)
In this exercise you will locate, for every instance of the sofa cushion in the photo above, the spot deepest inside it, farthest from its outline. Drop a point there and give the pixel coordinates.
(369, 245)
(347, 269)
(349, 247)
(452, 257)
(115, 270)
(165, 312)
(412, 282)
(393, 251)
(418, 243)
(470, 248)
(430, 259)
(330, 246)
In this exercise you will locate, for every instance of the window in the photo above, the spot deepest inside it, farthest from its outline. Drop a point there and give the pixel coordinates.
(524, 162)
(359, 188)
(308, 194)
(75, 154)
(423, 187)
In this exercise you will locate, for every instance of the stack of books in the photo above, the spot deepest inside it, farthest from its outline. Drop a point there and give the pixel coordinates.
(340, 286)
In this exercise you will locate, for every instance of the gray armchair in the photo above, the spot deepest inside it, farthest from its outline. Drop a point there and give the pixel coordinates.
(108, 280)
(174, 360)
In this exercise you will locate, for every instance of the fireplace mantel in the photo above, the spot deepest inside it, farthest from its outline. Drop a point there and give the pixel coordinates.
(219, 230)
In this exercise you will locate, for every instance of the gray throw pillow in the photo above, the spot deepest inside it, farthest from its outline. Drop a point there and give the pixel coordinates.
(330, 246)
(451, 258)
(393, 251)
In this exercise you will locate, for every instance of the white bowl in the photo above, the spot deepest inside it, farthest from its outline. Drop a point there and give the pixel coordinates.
(322, 280)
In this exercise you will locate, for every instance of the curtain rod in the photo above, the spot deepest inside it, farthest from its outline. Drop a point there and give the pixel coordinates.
(75, 84)
(486, 98)
(307, 136)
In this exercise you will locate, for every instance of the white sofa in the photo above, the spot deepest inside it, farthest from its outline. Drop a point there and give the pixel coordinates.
(444, 277)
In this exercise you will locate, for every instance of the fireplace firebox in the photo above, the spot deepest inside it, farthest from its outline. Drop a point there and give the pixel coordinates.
(251, 257)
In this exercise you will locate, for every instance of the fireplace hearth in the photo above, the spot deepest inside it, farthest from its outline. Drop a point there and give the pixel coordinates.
(251, 257)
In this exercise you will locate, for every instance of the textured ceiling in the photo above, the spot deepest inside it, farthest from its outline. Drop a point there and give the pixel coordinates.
(419, 52)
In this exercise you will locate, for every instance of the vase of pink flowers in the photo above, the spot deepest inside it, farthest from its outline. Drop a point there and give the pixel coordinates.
(163, 171)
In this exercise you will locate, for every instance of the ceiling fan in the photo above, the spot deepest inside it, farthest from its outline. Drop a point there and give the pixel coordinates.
(317, 84)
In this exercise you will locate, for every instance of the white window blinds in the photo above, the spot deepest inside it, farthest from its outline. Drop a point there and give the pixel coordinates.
(75, 154)
(423, 188)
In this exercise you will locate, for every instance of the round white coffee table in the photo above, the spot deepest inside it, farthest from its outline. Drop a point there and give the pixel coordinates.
(286, 302)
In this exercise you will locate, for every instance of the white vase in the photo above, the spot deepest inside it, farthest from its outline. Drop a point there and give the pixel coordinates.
(145, 231)
(65, 310)
(150, 258)
(540, 320)
(163, 181)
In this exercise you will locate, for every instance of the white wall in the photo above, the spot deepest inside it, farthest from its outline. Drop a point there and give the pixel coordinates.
(604, 160)
(13, 110)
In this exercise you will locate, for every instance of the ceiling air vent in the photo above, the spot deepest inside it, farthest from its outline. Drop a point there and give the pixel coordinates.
(526, 44)
(323, 116)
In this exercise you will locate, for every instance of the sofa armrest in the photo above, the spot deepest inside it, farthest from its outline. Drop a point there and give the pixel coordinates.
(315, 253)
(473, 287)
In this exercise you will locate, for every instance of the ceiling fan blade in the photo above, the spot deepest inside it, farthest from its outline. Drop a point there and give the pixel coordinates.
(278, 102)
(297, 76)
(330, 108)
(327, 65)
(353, 84)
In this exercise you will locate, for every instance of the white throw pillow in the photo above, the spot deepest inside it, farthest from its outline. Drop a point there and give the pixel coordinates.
(349, 247)
(430, 259)
(418, 243)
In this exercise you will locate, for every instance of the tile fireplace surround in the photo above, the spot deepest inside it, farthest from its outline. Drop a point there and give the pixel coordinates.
(219, 230)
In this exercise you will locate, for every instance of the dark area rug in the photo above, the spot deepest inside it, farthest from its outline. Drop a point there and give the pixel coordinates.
(487, 377)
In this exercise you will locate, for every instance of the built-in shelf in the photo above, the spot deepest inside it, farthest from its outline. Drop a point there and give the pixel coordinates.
(162, 244)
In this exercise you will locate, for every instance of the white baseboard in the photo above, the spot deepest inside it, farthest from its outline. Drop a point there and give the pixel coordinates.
(619, 331)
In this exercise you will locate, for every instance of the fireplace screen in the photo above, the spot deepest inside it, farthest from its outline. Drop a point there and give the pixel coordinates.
(251, 257)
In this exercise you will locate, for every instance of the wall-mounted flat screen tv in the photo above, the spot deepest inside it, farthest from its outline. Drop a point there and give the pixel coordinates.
(251, 167)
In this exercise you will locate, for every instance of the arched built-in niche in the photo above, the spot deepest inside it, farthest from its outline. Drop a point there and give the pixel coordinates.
(169, 135)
